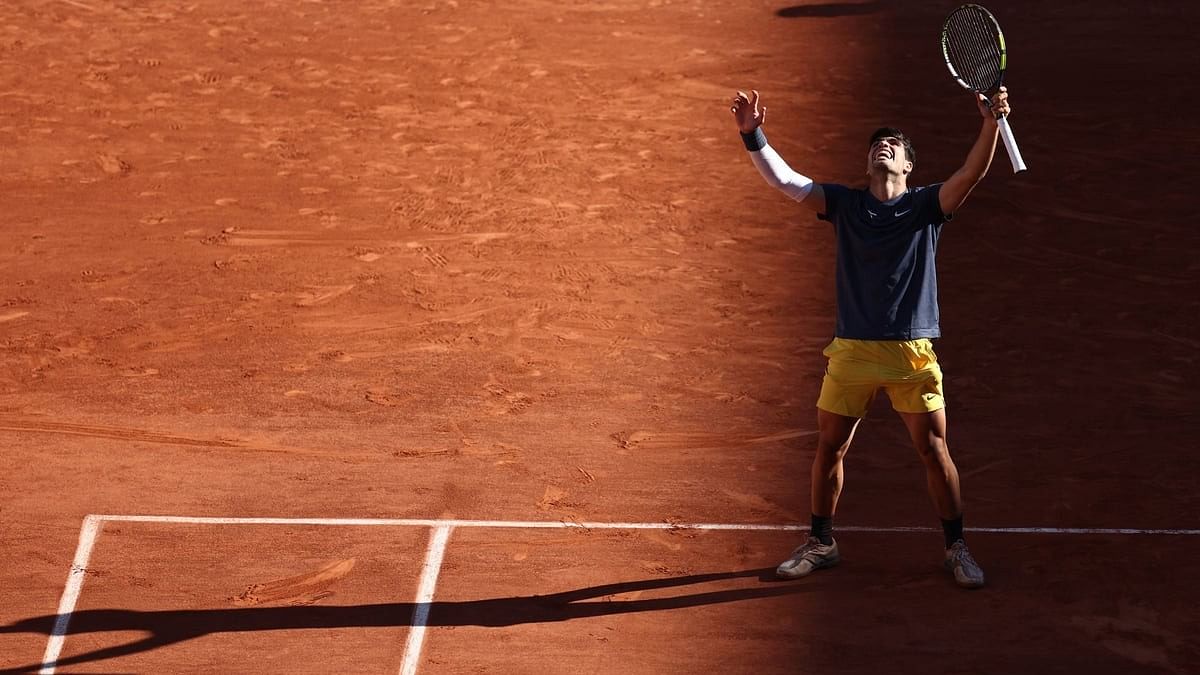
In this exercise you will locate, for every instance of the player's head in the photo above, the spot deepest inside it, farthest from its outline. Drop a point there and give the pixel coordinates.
(890, 151)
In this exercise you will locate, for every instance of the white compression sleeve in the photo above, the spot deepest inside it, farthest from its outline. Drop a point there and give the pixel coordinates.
(779, 175)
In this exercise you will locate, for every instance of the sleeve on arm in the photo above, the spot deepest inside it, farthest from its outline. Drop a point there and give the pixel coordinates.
(928, 202)
(772, 167)
(834, 196)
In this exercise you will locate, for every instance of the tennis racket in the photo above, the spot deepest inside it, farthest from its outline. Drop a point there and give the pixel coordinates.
(973, 47)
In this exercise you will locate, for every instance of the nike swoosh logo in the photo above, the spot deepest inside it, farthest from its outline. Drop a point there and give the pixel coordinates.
(900, 214)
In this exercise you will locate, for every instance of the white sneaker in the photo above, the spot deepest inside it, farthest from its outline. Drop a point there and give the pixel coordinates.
(959, 562)
(813, 555)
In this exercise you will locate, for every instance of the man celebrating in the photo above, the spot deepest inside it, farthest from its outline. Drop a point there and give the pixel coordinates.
(887, 316)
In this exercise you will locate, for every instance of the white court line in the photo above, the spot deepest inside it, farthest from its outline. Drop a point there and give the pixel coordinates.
(66, 605)
(429, 575)
(1027, 530)
(437, 547)
(539, 524)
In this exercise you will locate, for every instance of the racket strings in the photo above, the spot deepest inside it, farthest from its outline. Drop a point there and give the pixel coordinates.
(973, 49)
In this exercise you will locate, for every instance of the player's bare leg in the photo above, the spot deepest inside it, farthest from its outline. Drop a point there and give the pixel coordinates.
(928, 434)
(820, 550)
(833, 442)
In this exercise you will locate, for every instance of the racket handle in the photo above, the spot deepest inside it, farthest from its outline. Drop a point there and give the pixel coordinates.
(1010, 144)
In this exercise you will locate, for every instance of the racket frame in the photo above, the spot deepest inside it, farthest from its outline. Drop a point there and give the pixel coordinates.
(1006, 134)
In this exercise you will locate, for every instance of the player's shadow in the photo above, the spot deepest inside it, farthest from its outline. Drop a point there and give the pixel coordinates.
(827, 10)
(167, 627)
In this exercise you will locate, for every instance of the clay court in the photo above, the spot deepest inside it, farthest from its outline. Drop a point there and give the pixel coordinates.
(462, 337)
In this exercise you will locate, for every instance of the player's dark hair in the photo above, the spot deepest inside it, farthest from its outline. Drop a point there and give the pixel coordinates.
(883, 132)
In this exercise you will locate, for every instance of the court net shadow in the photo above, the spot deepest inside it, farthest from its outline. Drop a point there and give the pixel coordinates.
(167, 627)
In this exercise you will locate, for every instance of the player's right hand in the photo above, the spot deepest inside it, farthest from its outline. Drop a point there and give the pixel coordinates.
(747, 113)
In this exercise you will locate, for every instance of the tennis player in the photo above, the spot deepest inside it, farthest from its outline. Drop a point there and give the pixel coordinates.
(887, 316)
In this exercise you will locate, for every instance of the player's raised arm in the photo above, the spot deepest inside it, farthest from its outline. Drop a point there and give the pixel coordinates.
(750, 117)
(956, 188)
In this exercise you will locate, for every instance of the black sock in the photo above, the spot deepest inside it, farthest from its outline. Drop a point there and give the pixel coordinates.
(953, 529)
(822, 528)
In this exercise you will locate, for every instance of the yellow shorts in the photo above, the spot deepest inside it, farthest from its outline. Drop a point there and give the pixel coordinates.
(908, 371)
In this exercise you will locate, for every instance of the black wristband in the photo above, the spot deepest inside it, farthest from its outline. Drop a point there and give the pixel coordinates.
(755, 140)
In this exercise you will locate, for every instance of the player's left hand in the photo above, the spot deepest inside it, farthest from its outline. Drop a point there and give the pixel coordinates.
(999, 108)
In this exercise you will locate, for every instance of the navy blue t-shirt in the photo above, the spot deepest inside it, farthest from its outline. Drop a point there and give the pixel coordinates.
(886, 277)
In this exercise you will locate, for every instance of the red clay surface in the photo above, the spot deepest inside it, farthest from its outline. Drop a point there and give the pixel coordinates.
(443, 259)
(215, 609)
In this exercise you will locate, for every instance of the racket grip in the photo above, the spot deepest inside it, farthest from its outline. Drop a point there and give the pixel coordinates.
(1010, 144)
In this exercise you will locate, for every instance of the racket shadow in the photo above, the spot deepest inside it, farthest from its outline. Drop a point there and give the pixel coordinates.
(828, 10)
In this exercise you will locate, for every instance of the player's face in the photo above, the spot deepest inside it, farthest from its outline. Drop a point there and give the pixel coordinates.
(887, 154)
